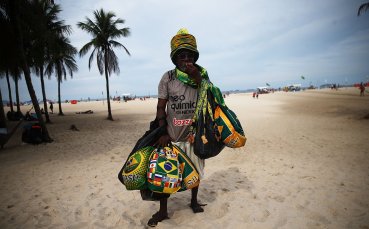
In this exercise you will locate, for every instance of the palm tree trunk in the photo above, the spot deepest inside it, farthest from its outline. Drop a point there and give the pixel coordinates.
(59, 100)
(110, 117)
(17, 94)
(2, 114)
(14, 16)
(10, 92)
(44, 95)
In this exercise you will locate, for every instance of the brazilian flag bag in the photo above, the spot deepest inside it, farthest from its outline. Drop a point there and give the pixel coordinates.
(171, 170)
(163, 175)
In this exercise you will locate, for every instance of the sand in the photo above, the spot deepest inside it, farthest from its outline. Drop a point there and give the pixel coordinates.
(305, 165)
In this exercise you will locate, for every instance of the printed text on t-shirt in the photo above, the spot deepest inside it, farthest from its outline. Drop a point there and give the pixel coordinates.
(180, 107)
(182, 122)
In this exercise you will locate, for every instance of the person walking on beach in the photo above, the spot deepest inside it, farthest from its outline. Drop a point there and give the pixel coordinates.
(51, 107)
(362, 89)
(177, 97)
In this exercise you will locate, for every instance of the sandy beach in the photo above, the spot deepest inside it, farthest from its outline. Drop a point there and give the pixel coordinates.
(305, 165)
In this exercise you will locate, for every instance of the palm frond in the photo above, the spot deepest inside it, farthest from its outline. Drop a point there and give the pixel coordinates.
(363, 8)
(100, 61)
(112, 60)
(91, 58)
(85, 48)
(116, 44)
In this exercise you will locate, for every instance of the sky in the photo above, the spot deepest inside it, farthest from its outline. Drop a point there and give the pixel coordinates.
(243, 44)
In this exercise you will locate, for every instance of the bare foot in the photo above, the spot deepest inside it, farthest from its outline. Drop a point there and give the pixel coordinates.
(196, 207)
(156, 218)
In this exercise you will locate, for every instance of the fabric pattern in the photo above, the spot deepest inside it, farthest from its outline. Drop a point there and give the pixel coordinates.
(183, 40)
(170, 170)
(186, 79)
(134, 171)
(188, 149)
(229, 127)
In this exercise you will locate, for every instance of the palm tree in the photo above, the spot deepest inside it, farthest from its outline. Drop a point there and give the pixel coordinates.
(62, 62)
(18, 15)
(16, 77)
(9, 91)
(363, 8)
(2, 114)
(48, 30)
(103, 30)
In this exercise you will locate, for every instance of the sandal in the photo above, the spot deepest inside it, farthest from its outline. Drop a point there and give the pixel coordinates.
(156, 218)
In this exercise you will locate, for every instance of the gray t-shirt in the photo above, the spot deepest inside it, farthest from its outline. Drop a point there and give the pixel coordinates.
(180, 107)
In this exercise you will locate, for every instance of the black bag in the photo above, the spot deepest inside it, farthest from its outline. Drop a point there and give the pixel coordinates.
(207, 138)
(32, 134)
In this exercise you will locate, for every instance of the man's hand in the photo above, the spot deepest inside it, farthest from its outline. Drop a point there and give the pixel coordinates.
(193, 72)
(163, 141)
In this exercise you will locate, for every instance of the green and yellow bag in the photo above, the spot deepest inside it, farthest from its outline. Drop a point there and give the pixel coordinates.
(190, 176)
(163, 173)
(170, 171)
(229, 127)
(135, 169)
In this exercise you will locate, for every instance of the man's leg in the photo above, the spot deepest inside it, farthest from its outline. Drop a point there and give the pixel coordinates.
(161, 215)
(196, 207)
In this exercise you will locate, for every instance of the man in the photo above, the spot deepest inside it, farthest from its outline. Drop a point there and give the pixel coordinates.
(362, 89)
(177, 96)
(52, 107)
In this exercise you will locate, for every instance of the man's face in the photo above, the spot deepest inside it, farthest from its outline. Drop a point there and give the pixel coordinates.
(184, 57)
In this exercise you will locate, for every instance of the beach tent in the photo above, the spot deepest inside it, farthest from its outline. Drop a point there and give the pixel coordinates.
(294, 87)
(73, 101)
(262, 90)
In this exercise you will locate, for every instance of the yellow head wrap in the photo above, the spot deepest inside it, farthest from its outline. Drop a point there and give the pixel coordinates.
(183, 40)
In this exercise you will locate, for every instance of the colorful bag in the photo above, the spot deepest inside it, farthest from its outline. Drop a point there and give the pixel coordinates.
(229, 127)
(191, 178)
(171, 170)
(148, 139)
(163, 175)
(134, 170)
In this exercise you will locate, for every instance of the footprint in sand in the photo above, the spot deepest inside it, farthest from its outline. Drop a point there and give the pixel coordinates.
(222, 210)
(280, 223)
(279, 199)
(79, 225)
(262, 216)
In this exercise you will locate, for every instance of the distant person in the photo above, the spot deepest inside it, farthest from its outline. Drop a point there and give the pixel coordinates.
(28, 116)
(85, 112)
(42, 111)
(51, 107)
(362, 89)
(257, 95)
